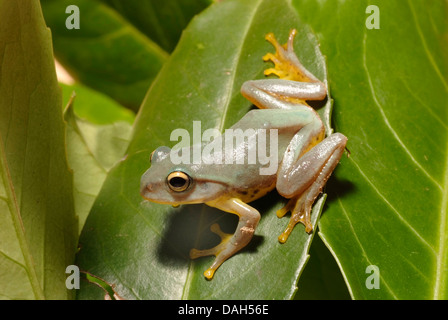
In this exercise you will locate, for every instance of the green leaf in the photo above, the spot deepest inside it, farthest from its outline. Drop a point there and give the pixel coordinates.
(141, 248)
(38, 226)
(107, 52)
(321, 279)
(161, 21)
(92, 150)
(388, 202)
(95, 107)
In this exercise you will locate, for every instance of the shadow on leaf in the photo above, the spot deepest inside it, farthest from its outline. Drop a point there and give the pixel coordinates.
(189, 227)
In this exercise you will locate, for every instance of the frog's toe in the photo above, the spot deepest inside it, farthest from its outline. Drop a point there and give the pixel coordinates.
(288, 207)
(279, 73)
(215, 251)
(285, 234)
(225, 237)
(300, 213)
(209, 273)
(196, 253)
(308, 225)
(216, 229)
(281, 212)
(270, 56)
(271, 38)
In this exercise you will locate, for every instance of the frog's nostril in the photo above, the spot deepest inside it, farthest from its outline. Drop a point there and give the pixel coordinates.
(144, 189)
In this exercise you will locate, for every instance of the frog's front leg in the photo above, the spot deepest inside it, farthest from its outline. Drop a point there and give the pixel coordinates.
(295, 86)
(230, 244)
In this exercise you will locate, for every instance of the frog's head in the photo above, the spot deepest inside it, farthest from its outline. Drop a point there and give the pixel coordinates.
(168, 183)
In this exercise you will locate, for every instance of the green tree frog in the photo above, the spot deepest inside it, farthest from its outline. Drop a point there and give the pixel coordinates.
(306, 158)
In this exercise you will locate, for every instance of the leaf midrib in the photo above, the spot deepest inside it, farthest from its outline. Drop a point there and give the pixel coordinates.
(228, 94)
(11, 200)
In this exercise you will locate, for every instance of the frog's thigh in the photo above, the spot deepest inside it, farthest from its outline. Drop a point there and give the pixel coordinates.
(249, 218)
(297, 173)
(280, 94)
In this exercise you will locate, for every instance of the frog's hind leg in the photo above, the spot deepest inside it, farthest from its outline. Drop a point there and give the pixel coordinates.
(303, 182)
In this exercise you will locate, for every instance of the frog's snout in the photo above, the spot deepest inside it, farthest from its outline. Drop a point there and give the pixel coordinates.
(145, 187)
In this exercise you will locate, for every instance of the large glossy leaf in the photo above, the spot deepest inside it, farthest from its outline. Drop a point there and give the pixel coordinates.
(141, 248)
(161, 21)
(107, 52)
(390, 198)
(38, 227)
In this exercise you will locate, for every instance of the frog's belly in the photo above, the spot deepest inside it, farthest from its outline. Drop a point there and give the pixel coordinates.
(254, 191)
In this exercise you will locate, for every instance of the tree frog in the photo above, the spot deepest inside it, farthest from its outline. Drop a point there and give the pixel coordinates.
(306, 158)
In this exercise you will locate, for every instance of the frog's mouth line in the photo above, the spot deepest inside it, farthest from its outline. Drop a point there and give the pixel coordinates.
(144, 191)
(161, 202)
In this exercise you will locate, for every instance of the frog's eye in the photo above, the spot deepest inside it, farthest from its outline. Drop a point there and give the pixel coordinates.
(178, 181)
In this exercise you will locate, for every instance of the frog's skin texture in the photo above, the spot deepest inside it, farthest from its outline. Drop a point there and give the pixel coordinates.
(306, 158)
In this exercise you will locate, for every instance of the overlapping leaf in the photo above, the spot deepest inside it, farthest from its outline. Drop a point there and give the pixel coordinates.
(94, 53)
(38, 227)
(120, 46)
(161, 21)
(390, 197)
(92, 150)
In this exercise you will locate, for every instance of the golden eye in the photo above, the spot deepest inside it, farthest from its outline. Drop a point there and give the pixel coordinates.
(178, 181)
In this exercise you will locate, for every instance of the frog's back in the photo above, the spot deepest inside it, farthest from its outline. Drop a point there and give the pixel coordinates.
(248, 163)
(281, 119)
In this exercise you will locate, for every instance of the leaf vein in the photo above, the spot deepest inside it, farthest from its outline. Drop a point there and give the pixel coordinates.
(382, 197)
(425, 46)
(364, 253)
(386, 121)
(235, 62)
(441, 274)
(14, 211)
